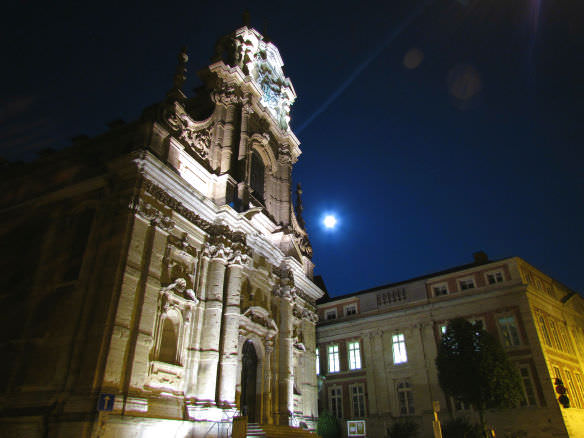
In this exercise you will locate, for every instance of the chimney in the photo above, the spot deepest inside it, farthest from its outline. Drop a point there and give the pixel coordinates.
(480, 257)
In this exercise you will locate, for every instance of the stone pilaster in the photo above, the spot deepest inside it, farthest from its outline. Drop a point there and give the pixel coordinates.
(209, 346)
(227, 376)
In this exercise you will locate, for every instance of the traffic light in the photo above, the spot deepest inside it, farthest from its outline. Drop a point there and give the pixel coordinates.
(561, 389)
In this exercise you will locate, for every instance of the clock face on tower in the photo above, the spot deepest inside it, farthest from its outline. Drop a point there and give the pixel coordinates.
(262, 61)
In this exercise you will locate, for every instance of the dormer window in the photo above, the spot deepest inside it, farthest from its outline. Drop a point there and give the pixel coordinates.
(330, 314)
(466, 283)
(257, 176)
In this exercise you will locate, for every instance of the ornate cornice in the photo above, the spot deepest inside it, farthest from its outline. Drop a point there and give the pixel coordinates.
(222, 242)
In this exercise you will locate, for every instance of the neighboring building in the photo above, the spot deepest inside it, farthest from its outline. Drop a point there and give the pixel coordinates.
(377, 348)
(156, 279)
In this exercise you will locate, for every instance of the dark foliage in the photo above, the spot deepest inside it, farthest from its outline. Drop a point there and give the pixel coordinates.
(328, 425)
(461, 428)
(406, 428)
(473, 367)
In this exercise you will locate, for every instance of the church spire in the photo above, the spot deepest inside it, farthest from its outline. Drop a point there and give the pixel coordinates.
(179, 76)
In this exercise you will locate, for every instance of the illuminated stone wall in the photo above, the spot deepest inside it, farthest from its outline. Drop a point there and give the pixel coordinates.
(143, 260)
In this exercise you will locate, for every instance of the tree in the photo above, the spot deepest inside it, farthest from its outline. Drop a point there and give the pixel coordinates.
(473, 367)
(328, 425)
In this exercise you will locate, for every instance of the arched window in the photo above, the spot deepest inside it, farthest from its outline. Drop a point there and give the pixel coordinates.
(167, 351)
(257, 176)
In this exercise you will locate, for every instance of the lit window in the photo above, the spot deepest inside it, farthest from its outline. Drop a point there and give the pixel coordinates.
(358, 400)
(330, 314)
(443, 328)
(528, 390)
(399, 349)
(466, 283)
(495, 277)
(317, 362)
(509, 331)
(405, 398)
(351, 309)
(336, 401)
(354, 356)
(440, 290)
(333, 358)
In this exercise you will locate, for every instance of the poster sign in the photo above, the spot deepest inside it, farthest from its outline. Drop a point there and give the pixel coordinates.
(356, 428)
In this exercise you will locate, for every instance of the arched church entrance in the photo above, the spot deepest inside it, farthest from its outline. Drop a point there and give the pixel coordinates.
(248, 381)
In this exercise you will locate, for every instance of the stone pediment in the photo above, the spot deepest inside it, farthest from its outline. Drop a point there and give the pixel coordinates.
(256, 319)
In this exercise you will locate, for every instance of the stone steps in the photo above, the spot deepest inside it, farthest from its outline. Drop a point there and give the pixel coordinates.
(273, 431)
(254, 430)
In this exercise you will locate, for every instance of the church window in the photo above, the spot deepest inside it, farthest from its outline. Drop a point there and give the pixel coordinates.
(257, 175)
(358, 400)
(168, 349)
(495, 277)
(528, 398)
(466, 283)
(399, 349)
(317, 362)
(334, 365)
(405, 398)
(354, 356)
(336, 401)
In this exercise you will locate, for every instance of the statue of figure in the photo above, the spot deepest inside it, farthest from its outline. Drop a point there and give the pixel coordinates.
(179, 287)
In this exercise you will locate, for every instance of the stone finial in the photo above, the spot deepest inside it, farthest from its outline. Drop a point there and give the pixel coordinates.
(245, 18)
(179, 75)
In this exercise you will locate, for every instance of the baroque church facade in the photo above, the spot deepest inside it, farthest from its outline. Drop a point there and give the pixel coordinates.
(159, 281)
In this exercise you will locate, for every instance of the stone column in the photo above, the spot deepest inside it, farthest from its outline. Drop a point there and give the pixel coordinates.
(211, 332)
(286, 402)
(227, 376)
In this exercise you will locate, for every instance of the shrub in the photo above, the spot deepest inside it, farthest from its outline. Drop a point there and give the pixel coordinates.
(461, 427)
(328, 425)
(403, 429)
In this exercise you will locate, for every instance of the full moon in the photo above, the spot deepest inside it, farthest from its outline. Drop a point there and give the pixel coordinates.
(330, 221)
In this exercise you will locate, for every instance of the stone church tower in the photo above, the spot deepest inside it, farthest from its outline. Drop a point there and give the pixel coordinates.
(168, 281)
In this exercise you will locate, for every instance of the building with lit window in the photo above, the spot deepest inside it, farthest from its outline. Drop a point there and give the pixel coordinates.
(156, 280)
(377, 347)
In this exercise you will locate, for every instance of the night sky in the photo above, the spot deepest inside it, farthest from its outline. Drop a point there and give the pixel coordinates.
(430, 129)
